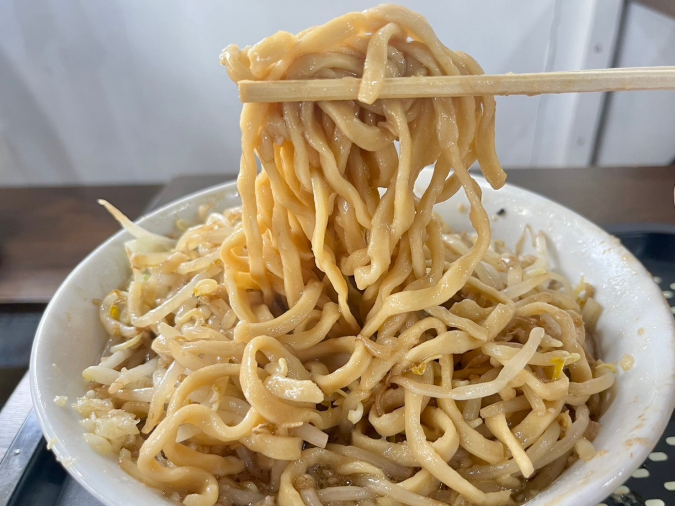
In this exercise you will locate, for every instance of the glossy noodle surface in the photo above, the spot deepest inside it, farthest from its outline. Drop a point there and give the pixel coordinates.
(332, 341)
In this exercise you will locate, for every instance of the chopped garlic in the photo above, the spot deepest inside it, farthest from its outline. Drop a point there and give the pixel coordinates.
(60, 400)
(355, 414)
(205, 287)
(627, 362)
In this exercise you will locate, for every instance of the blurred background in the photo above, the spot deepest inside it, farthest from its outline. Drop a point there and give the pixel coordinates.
(118, 92)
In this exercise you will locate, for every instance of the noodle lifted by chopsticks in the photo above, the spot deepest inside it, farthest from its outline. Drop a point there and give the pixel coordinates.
(333, 341)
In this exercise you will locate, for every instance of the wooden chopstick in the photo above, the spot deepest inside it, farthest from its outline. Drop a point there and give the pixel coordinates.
(584, 81)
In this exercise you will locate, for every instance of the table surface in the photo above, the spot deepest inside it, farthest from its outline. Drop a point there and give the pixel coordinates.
(45, 232)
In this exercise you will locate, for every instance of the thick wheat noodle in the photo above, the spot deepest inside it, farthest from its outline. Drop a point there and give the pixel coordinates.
(400, 452)
(332, 339)
(395, 470)
(500, 429)
(540, 448)
(430, 460)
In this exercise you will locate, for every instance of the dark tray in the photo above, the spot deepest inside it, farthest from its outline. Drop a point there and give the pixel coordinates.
(31, 476)
(654, 483)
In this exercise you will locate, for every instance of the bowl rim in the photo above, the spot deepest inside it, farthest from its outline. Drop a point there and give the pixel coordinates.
(656, 422)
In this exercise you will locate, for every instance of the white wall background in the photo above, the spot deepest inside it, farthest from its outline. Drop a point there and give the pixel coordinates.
(640, 126)
(115, 91)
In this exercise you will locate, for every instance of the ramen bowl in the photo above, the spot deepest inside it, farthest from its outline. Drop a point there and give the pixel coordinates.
(636, 321)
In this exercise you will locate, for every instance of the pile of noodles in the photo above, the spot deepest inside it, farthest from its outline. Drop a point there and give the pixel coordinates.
(332, 341)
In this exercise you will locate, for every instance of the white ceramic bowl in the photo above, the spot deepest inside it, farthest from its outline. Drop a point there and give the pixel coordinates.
(636, 320)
